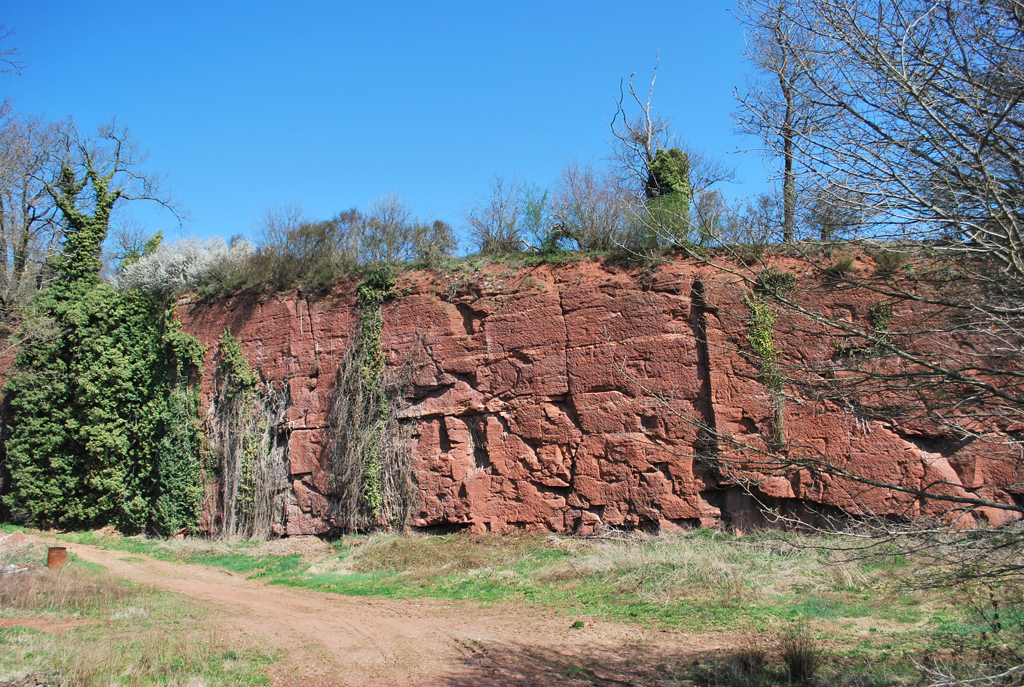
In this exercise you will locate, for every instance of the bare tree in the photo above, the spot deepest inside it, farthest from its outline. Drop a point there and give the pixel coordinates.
(29, 232)
(637, 139)
(926, 129)
(9, 54)
(916, 323)
(711, 216)
(776, 105)
(667, 175)
(276, 225)
(433, 242)
(832, 214)
(114, 150)
(750, 223)
(592, 208)
(926, 121)
(388, 231)
(494, 220)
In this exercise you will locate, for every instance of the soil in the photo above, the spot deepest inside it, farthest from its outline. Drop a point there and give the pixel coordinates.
(330, 639)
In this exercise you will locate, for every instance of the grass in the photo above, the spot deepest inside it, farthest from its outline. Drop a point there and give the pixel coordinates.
(762, 585)
(701, 580)
(104, 631)
(693, 582)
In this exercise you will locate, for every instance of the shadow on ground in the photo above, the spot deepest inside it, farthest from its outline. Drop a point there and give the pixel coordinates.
(633, 664)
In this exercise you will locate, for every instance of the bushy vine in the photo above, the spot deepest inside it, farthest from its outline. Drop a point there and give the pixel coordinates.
(241, 378)
(881, 314)
(775, 282)
(246, 436)
(761, 337)
(377, 286)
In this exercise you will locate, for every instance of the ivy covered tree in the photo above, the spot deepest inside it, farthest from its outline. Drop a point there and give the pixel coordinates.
(103, 423)
(669, 194)
(667, 175)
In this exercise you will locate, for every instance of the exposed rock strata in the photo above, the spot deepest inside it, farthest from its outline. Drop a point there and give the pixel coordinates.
(538, 400)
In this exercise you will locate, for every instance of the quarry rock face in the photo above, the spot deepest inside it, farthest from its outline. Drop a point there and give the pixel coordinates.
(567, 398)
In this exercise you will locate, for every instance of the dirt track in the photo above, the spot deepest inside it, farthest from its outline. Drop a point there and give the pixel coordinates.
(339, 640)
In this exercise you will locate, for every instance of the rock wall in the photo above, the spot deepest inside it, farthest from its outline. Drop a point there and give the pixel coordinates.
(563, 397)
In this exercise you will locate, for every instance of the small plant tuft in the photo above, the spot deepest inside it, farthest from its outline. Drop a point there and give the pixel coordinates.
(842, 265)
(800, 654)
(747, 663)
(888, 262)
(881, 314)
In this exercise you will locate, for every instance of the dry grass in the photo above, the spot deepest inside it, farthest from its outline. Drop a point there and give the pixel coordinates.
(25, 585)
(747, 663)
(153, 647)
(800, 654)
(673, 567)
(73, 590)
(421, 557)
(107, 631)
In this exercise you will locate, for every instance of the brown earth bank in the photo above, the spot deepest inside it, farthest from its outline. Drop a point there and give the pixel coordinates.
(331, 640)
(570, 397)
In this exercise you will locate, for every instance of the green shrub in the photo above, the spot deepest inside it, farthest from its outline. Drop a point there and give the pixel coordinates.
(775, 282)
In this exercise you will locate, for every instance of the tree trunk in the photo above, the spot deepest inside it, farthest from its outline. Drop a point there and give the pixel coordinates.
(788, 177)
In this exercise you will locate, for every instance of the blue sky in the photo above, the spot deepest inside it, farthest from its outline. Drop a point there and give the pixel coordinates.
(248, 105)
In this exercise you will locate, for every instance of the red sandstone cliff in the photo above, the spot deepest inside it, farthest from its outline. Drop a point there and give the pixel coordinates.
(561, 397)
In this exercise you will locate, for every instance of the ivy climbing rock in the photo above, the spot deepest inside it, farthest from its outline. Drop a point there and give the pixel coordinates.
(761, 336)
(368, 454)
(247, 435)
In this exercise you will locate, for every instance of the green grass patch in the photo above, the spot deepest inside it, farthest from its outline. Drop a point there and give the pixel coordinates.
(150, 547)
(254, 566)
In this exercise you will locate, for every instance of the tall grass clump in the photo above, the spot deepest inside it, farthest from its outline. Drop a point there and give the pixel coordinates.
(76, 588)
(800, 654)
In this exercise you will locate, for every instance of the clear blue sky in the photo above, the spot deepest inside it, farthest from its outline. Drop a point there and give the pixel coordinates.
(245, 105)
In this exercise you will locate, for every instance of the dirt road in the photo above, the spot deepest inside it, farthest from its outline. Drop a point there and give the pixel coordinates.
(331, 639)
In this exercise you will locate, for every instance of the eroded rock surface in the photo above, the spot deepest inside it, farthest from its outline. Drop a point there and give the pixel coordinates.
(560, 398)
